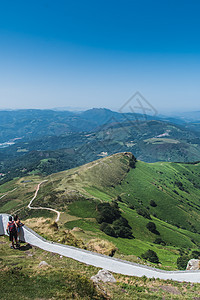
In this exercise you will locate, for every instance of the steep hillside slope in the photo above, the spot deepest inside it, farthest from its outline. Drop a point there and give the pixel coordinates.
(165, 194)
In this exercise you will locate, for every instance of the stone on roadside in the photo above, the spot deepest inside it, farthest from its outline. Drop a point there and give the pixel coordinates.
(43, 264)
(193, 264)
(103, 275)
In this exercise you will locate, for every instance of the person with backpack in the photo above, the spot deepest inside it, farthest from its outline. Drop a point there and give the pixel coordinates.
(12, 231)
(18, 224)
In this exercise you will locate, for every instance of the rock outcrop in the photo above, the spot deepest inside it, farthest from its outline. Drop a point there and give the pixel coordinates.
(193, 264)
(103, 275)
(43, 264)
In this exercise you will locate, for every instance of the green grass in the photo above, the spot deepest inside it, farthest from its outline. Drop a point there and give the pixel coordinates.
(84, 224)
(9, 206)
(97, 193)
(83, 209)
(64, 278)
(27, 213)
(176, 216)
(22, 278)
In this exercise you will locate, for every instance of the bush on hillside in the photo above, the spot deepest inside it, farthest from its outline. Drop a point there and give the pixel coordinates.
(180, 185)
(152, 227)
(144, 213)
(153, 203)
(159, 241)
(151, 256)
(54, 225)
(132, 163)
(122, 228)
(121, 222)
(107, 213)
(195, 254)
(123, 232)
(107, 229)
(175, 192)
(114, 204)
(131, 206)
(119, 198)
(182, 262)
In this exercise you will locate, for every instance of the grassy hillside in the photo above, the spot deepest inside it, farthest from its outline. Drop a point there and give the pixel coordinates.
(64, 278)
(166, 194)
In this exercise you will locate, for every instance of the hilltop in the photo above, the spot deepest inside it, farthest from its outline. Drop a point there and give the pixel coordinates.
(165, 194)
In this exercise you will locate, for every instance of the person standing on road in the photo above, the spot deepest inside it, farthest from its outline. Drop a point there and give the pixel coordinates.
(18, 224)
(12, 231)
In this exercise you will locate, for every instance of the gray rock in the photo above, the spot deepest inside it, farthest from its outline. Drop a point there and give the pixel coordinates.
(103, 275)
(193, 264)
(43, 264)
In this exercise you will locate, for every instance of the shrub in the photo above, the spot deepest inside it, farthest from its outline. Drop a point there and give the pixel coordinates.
(54, 225)
(107, 213)
(152, 227)
(159, 241)
(123, 232)
(101, 246)
(131, 206)
(121, 222)
(175, 192)
(179, 185)
(144, 213)
(182, 262)
(110, 214)
(153, 203)
(119, 198)
(151, 256)
(132, 163)
(114, 204)
(107, 229)
(195, 254)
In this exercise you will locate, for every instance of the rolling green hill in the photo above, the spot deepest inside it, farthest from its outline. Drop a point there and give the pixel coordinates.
(165, 194)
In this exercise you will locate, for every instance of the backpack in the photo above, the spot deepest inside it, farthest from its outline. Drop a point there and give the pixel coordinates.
(12, 227)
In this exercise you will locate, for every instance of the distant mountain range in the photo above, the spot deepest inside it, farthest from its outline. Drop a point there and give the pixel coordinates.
(45, 141)
(32, 123)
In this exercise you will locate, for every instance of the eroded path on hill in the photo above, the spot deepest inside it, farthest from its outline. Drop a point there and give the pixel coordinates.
(7, 193)
(46, 208)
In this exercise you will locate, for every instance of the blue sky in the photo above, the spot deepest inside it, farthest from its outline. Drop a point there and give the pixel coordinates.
(98, 53)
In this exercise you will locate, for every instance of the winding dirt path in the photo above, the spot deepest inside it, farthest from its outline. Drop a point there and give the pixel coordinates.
(35, 195)
(7, 193)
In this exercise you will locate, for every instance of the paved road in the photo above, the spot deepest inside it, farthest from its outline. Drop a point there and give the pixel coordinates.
(101, 261)
(35, 195)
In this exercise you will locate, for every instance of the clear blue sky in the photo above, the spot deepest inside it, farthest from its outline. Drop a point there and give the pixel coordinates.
(98, 53)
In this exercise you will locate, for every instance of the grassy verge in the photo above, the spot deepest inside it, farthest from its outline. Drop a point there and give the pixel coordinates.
(63, 278)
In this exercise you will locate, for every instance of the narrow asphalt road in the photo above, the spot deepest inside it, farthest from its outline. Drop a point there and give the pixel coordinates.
(98, 260)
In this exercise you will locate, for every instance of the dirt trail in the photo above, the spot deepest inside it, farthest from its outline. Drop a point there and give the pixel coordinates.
(8, 193)
(35, 195)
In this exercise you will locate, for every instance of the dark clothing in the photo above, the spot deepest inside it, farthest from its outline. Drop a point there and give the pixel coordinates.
(12, 231)
(12, 235)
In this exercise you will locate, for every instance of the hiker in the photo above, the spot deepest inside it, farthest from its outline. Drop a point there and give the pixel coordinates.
(18, 224)
(12, 231)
